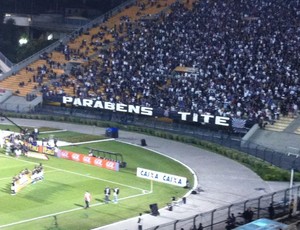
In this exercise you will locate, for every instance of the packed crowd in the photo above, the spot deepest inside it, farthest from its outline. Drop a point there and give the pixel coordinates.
(244, 56)
(16, 143)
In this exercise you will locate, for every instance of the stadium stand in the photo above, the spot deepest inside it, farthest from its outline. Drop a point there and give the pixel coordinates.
(222, 58)
(242, 54)
(231, 81)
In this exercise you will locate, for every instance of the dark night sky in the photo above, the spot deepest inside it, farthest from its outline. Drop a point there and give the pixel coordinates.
(54, 6)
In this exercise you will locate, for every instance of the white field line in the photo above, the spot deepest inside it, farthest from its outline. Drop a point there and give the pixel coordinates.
(78, 174)
(54, 131)
(88, 142)
(67, 211)
(74, 209)
(9, 178)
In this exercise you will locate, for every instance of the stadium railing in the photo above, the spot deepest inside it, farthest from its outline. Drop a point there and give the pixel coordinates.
(216, 219)
(223, 138)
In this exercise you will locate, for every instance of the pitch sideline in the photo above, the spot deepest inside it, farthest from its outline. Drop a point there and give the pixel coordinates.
(74, 209)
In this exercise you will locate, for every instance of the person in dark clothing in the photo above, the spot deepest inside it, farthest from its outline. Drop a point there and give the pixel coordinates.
(106, 194)
(271, 211)
(140, 222)
(248, 215)
(200, 227)
(230, 222)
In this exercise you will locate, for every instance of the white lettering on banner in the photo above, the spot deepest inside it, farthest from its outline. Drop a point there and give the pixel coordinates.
(222, 120)
(87, 160)
(195, 117)
(134, 109)
(64, 154)
(205, 118)
(161, 177)
(98, 104)
(148, 111)
(98, 162)
(77, 102)
(109, 105)
(184, 115)
(67, 100)
(75, 157)
(87, 102)
(110, 164)
(119, 107)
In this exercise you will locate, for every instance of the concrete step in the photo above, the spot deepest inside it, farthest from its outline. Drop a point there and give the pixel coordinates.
(280, 124)
(274, 128)
(297, 131)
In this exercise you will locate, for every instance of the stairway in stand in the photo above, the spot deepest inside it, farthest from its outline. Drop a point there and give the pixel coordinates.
(280, 125)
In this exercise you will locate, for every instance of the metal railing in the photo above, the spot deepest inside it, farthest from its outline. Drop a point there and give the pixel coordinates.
(217, 219)
(223, 138)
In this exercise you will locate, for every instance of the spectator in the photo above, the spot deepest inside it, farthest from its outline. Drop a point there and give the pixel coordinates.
(140, 222)
(248, 215)
(200, 227)
(271, 211)
(230, 222)
(239, 54)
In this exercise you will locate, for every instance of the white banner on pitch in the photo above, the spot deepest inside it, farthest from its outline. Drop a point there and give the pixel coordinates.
(161, 177)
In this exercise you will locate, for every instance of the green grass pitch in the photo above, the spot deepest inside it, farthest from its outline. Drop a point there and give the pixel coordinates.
(57, 201)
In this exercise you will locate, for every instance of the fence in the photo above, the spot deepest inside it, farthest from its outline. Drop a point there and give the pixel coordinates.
(217, 219)
(22, 106)
(214, 219)
(221, 137)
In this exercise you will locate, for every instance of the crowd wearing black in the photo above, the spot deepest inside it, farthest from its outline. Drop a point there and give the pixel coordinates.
(245, 53)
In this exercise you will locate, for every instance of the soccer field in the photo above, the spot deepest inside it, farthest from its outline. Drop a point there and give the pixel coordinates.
(57, 201)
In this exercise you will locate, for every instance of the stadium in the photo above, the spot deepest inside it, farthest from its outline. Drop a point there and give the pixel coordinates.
(180, 80)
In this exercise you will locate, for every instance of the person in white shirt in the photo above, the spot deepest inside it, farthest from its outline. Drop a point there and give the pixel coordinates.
(116, 193)
(87, 199)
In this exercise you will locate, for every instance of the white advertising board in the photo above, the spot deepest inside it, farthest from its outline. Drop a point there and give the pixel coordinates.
(161, 177)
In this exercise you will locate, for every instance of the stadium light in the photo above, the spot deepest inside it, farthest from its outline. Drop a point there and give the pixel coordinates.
(50, 37)
(23, 41)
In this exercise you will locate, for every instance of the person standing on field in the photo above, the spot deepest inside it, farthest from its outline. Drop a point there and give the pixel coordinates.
(106, 195)
(140, 222)
(87, 199)
(116, 193)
